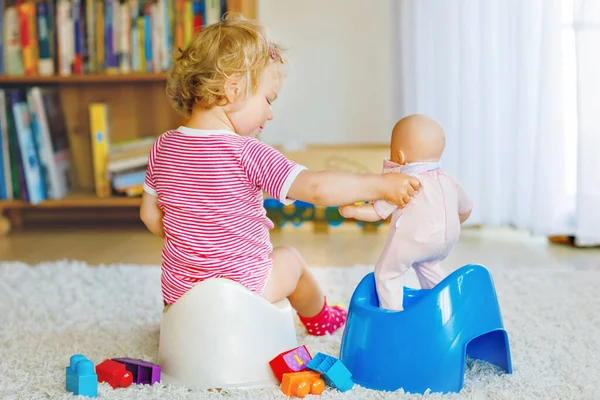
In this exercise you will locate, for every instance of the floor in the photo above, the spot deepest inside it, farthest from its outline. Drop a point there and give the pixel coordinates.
(340, 247)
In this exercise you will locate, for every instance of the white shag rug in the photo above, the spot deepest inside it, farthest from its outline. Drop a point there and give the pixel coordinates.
(50, 311)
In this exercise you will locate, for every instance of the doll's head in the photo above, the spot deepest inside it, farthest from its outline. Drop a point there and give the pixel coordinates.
(417, 138)
(230, 64)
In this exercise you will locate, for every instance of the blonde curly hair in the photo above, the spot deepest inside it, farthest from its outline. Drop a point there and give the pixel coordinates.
(234, 48)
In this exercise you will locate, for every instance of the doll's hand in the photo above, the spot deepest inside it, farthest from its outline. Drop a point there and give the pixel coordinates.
(399, 188)
(348, 211)
(360, 212)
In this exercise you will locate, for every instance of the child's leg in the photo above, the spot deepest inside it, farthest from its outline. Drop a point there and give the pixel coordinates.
(291, 279)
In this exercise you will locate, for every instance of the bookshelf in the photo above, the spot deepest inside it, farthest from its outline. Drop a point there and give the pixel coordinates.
(78, 200)
(97, 79)
(138, 107)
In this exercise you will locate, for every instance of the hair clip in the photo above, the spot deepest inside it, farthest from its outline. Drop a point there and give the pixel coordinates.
(273, 54)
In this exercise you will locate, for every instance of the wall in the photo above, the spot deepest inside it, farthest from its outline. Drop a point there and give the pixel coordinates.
(339, 87)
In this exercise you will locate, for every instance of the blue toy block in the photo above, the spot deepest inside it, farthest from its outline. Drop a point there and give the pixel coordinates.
(81, 378)
(332, 370)
(425, 346)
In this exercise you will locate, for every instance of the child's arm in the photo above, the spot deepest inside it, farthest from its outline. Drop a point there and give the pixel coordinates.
(286, 181)
(363, 212)
(152, 215)
(334, 188)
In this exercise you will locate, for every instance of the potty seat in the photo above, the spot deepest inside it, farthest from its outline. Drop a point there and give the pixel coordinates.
(219, 334)
(426, 345)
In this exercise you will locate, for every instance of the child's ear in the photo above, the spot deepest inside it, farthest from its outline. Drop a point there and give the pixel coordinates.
(232, 90)
(401, 157)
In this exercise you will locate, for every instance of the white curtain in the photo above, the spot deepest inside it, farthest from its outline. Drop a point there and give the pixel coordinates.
(587, 38)
(493, 73)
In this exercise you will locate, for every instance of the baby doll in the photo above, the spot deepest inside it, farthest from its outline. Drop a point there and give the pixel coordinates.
(422, 234)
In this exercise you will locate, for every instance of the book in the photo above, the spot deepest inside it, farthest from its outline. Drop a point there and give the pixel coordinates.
(52, 140)
(34, 180)
(6, 191)
(100, 139)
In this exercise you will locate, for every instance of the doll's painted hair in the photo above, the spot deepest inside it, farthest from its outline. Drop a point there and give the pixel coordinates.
(232, 48)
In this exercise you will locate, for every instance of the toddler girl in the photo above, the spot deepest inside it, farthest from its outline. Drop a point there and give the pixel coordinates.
(204, 185)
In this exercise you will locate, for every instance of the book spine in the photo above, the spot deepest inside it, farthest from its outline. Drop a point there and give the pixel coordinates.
(31, 167)
(46, 63)
(100, 35)
(125, 37)
(6, 158)
(2, 7)
(44, 142)
(19, 190)
(141, 43)
(65, 30)
(28, 35)
(188, 23)
(100, 137)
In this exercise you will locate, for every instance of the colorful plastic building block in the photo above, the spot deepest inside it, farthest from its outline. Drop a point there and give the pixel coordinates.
(114, 374)
(300, 384)
(334, 372)
(294, 360)
(80, 376)
(144, 372)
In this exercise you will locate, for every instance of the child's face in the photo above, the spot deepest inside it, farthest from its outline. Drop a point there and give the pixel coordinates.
(250, 114)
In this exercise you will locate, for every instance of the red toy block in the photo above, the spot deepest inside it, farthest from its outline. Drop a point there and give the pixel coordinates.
(114, 373)
(294, 360)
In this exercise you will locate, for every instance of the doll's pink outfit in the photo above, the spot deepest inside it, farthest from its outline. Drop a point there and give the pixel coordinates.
(422, 234)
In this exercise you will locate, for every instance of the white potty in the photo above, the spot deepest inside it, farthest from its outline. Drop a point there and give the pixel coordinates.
(221, 335)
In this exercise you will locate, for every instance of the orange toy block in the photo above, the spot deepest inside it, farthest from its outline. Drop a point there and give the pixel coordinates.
(300, 384)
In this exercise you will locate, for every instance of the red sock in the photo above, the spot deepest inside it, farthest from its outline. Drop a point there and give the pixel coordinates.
(328, 320)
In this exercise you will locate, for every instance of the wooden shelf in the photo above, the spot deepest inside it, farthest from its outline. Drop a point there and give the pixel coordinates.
(83, 79)
(75, 200)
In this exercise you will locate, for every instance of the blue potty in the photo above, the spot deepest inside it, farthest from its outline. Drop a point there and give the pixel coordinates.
(424, 346)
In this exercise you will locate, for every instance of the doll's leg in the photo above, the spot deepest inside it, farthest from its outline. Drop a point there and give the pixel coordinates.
(429, 274)
(389, 282)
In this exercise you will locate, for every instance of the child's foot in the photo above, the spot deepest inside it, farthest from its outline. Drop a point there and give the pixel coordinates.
(327, 321)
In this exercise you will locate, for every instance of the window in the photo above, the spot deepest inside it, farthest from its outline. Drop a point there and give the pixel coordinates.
(569, 64)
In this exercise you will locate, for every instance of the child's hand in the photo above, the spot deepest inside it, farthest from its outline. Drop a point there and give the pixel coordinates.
(399, 188)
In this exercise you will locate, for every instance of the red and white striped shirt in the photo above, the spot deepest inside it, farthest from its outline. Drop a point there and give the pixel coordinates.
(209, 185)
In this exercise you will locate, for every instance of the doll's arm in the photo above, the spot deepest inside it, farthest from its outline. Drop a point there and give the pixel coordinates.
(465, 216)
(464, 203)
(362, 212)
(152, 215)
